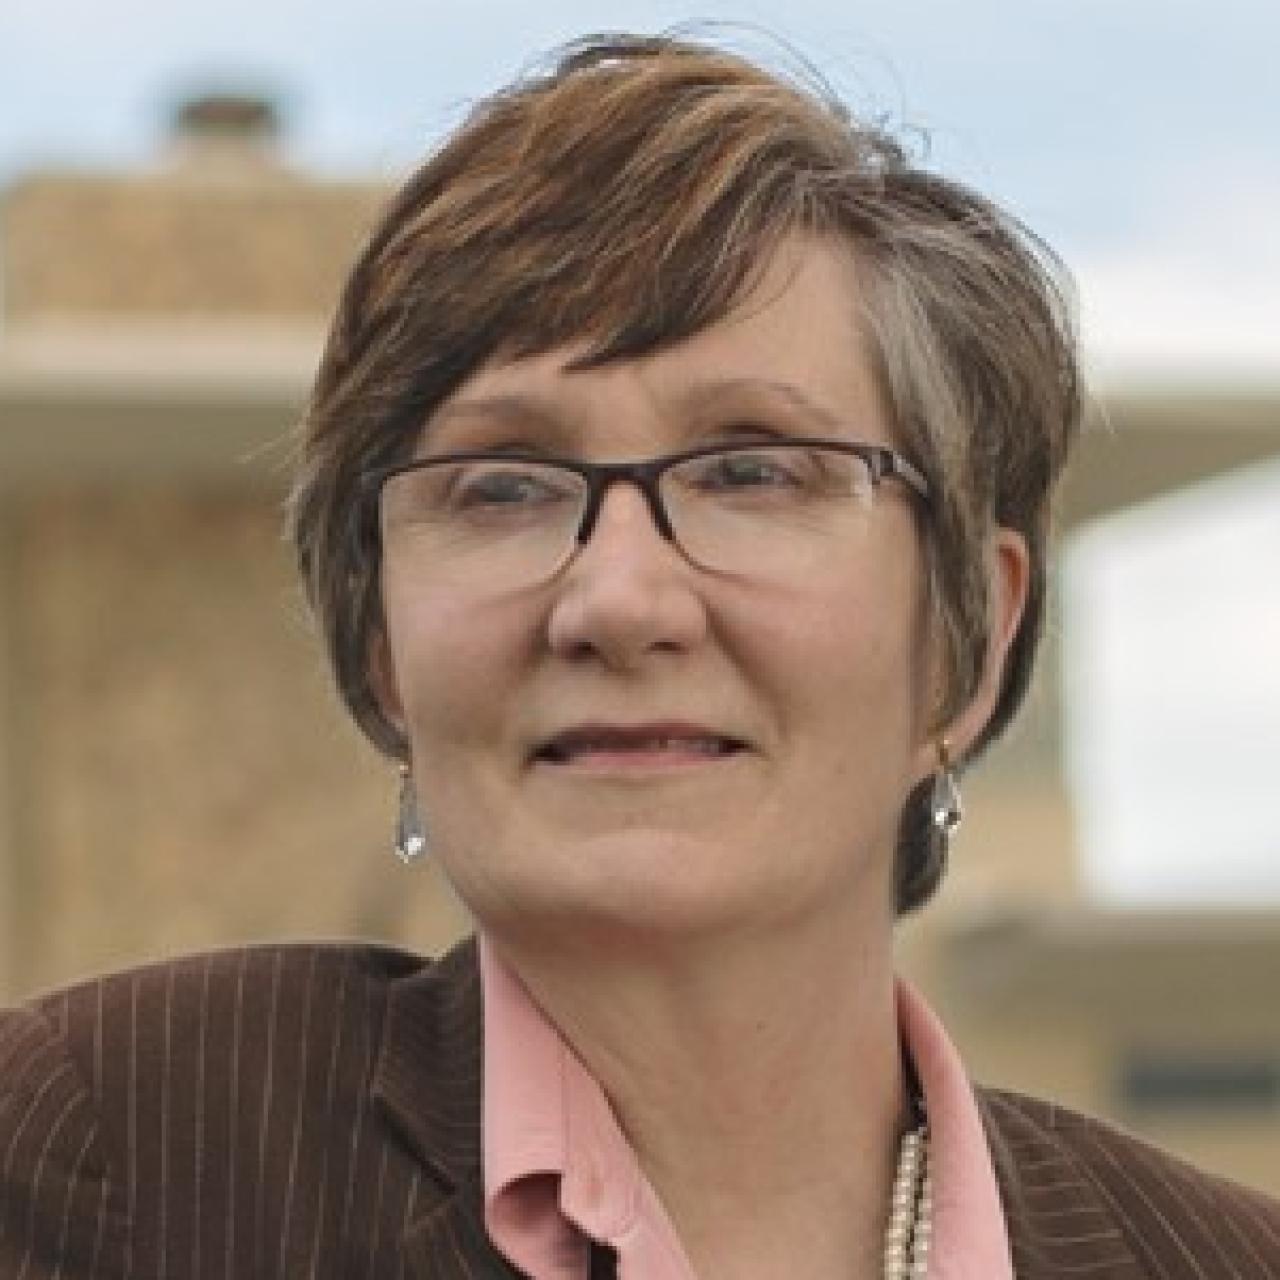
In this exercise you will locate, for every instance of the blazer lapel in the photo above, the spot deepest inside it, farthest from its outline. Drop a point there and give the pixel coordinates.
(1059, 1221)
(427, 1083)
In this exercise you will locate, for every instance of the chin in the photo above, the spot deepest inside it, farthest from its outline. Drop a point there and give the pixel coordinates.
(635, 888)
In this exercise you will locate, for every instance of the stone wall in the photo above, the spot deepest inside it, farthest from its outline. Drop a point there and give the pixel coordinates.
(173, 246)
(180, 774)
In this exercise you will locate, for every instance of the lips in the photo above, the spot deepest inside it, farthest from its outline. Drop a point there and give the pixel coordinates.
(647, 741)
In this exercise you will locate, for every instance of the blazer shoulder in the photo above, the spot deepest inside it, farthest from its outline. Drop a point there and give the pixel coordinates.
(106, 1002)
(56, 1191)
(1178, 1219)
(73, 1036)
(147, 1009)
(93, 1072)
(35, 1069)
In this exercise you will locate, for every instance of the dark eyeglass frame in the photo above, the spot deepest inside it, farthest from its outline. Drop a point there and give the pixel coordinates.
(882, 462)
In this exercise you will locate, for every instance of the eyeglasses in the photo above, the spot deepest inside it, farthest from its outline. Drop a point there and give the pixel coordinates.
(506, 520)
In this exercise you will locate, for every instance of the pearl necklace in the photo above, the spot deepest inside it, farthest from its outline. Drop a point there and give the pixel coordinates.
(907, 1238)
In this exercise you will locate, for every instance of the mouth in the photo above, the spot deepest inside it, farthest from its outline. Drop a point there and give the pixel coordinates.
(638, 745)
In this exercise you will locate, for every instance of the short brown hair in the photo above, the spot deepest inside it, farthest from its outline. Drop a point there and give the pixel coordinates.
(629, 195)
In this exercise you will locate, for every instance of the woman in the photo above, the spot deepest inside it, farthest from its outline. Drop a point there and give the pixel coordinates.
(674, 501)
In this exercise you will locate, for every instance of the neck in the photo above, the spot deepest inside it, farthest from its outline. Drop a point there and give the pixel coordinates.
(764, 1096)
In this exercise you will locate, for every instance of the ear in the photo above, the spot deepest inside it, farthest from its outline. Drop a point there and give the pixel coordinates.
(382, 679)
(1008, 574)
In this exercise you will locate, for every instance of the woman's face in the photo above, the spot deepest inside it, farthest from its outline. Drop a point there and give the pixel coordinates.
(826, 678)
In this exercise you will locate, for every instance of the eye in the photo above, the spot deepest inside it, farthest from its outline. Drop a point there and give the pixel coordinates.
(774, 474)
(755, 469)
(506, 486)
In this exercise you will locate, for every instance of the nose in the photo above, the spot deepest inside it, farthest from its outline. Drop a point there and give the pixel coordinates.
(627, 593)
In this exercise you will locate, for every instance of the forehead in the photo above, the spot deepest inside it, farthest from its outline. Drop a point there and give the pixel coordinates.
(795, 346)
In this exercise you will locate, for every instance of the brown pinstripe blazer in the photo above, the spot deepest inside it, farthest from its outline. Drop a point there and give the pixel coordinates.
(313, 1111)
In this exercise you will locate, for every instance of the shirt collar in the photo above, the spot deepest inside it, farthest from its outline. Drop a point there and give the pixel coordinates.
(558, 1169)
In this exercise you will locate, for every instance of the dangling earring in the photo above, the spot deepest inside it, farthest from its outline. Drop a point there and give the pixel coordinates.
(946, 809)
(411, 837)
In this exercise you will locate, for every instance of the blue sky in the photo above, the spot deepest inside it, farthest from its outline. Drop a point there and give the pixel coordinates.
(1141, 137)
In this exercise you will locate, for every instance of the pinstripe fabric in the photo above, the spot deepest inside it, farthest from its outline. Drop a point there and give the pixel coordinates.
(313, 1111)
(1083, 1200)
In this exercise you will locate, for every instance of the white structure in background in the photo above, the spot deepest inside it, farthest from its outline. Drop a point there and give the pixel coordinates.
(1171, 671)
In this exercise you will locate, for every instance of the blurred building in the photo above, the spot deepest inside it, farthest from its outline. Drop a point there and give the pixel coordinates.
(175, 772)
(173, 768)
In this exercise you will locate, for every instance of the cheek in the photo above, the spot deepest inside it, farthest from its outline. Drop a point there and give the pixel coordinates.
(857, 667)
(443, 663)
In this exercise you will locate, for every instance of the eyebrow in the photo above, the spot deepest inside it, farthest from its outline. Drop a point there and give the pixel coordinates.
(550, 417)
(514, 410)
(796, 399)
(515, 407)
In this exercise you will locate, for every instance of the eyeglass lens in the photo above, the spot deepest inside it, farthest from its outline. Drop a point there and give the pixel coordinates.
(497, 524)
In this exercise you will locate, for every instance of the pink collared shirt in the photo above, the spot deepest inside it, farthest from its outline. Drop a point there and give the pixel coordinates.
(558, 1171)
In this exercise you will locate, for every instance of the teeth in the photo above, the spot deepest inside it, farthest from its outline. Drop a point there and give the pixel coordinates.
(708, 746)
